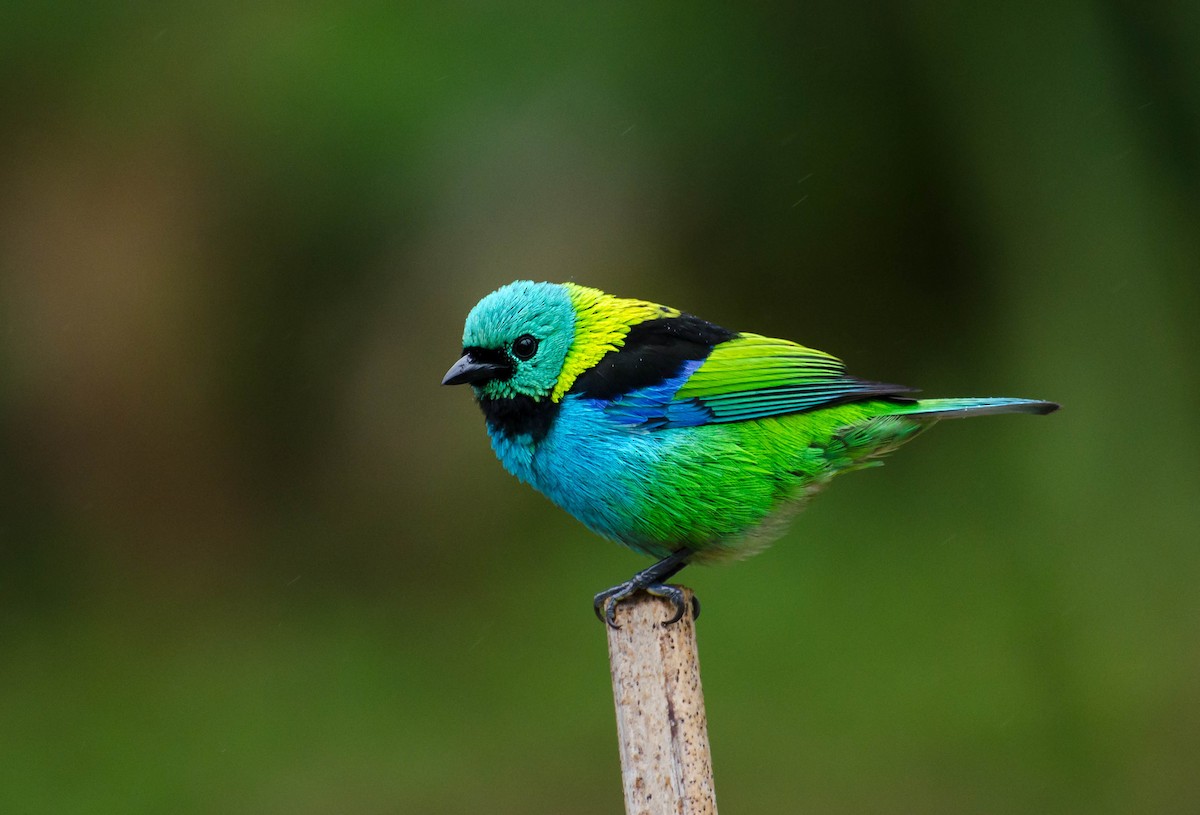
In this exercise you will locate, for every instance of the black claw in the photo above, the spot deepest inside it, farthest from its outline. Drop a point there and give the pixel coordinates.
(677, 616)
(695, 608)
(605, 603)
(672, 593)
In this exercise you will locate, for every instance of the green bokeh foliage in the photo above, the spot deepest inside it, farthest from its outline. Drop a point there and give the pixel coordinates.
(253, 559)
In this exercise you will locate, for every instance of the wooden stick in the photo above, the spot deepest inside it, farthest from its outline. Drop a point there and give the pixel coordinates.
(666, 767)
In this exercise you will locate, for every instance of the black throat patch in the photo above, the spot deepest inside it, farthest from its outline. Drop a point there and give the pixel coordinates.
(519, 416)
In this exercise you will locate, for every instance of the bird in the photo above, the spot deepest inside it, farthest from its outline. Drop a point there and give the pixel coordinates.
(681, 439)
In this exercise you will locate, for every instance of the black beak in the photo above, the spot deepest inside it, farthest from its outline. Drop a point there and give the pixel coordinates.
(472, 370)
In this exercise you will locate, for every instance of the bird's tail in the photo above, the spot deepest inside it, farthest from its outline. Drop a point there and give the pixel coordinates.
(960, 408)
(862, 444)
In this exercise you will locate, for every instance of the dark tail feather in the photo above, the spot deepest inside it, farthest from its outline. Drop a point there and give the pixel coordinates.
(961, 408)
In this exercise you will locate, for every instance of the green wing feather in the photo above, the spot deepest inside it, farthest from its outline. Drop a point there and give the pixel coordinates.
(752, 376)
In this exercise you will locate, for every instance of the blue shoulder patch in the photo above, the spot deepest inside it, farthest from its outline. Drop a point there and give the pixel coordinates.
(654, 406)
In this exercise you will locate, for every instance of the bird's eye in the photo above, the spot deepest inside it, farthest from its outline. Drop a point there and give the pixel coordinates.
(524, 347)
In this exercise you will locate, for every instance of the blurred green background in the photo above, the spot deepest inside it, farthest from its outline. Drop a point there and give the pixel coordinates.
(253, 559)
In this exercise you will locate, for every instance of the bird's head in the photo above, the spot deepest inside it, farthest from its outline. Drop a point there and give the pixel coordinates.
(533, 340)
(515, 341)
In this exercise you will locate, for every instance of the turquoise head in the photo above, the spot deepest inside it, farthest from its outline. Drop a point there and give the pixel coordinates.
(515, 342)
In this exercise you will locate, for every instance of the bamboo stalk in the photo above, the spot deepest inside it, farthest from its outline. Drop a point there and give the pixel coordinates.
(666, 768)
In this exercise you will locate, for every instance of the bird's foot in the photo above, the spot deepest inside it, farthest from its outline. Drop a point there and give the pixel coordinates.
(650, 581)
(606, 602)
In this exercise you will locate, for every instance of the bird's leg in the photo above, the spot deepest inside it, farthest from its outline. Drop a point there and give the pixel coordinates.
(650, 581)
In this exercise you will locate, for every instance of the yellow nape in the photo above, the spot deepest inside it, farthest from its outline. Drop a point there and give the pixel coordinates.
(601, 323)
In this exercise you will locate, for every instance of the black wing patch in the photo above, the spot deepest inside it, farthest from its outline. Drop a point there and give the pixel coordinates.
(653, 352)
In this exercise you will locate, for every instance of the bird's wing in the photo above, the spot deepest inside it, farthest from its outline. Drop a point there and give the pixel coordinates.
(747, 376)
(752, 376)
